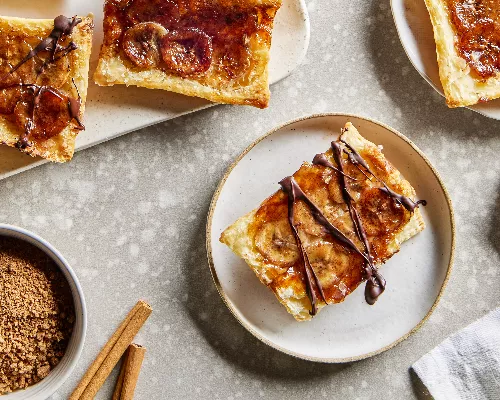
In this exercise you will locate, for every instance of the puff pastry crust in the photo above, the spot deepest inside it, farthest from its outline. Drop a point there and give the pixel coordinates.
(74, 67)
(462, 87)
(266, 244)
(242, 27)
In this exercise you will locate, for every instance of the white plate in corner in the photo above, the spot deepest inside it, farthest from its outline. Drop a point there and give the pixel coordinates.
(415, 32)
(416, 276)
(114, 111)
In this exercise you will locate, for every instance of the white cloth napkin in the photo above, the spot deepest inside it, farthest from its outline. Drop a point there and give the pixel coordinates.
(465, 366)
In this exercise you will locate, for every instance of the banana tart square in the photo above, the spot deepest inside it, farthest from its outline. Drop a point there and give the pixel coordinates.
(467, 36)
(329, 228)
(44, 66)
(214, 49)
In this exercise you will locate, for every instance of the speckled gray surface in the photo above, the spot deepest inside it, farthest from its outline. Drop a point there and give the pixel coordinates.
(130, 217)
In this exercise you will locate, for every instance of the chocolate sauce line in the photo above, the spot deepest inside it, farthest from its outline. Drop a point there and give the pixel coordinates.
(337, 155)
(406, 202)
(320, 159)
(63, 26)
(74, 106)
(289, 186)
(375, 283)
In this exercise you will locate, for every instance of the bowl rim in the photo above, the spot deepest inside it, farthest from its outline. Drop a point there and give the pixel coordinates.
(227, 302)
(77, 295)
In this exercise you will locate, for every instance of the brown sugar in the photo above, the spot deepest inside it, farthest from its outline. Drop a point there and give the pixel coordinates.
(36, 314)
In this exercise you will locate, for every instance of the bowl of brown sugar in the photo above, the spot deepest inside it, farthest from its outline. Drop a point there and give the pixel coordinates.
(43, 318)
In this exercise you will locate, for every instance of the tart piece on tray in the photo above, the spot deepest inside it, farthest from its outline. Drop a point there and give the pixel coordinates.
(215, 49)
(331, 225)
(44, 66)
(467, 35)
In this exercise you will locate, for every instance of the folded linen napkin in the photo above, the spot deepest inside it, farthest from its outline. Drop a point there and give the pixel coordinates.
(465, 366)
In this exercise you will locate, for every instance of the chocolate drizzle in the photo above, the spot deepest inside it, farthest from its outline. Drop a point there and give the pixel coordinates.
(320, 159)
(74, 106)
(406, 202)
(291, 188)
(375, 282)
(63, 26)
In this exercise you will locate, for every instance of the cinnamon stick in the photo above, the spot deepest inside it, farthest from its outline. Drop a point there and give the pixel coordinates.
(107, 358)
(119, 382)
(132, 370)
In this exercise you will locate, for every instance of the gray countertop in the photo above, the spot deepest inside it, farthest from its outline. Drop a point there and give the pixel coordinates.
(130, 214)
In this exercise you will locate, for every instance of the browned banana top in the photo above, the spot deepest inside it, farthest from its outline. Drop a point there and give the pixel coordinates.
(186, 37)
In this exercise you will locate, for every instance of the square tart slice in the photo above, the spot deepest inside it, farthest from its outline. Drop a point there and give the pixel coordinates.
(467, 36)
(214, 49)
(382, 200)
(44, 65)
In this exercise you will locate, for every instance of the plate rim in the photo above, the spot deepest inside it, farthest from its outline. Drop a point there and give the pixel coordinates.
(232, 309)
(422, 73)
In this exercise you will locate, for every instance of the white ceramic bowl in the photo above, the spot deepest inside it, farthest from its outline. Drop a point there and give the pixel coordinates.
(46, 387)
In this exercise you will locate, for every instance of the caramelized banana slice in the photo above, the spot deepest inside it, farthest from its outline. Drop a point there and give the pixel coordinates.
(51, 115)
(379, 213)
(235, 61)
(9, 58)
(48, 119)
(141, 44)
(55, 74)
(6, 78)
(305, 222)
(10, 95)
(335, 190)
(276, 242)
(338, 270)
(187, 51)
(8, 100)
(329, 259)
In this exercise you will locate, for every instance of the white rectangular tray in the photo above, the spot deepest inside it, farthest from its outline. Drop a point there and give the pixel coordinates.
(114, 111)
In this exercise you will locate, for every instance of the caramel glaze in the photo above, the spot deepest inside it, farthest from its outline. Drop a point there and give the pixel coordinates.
(337, 209)
(42, 111)
(199, 34)
(477, 26)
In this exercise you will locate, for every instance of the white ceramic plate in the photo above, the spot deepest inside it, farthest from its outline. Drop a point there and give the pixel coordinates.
(114, 111)
(415, 32)
(352, 330)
